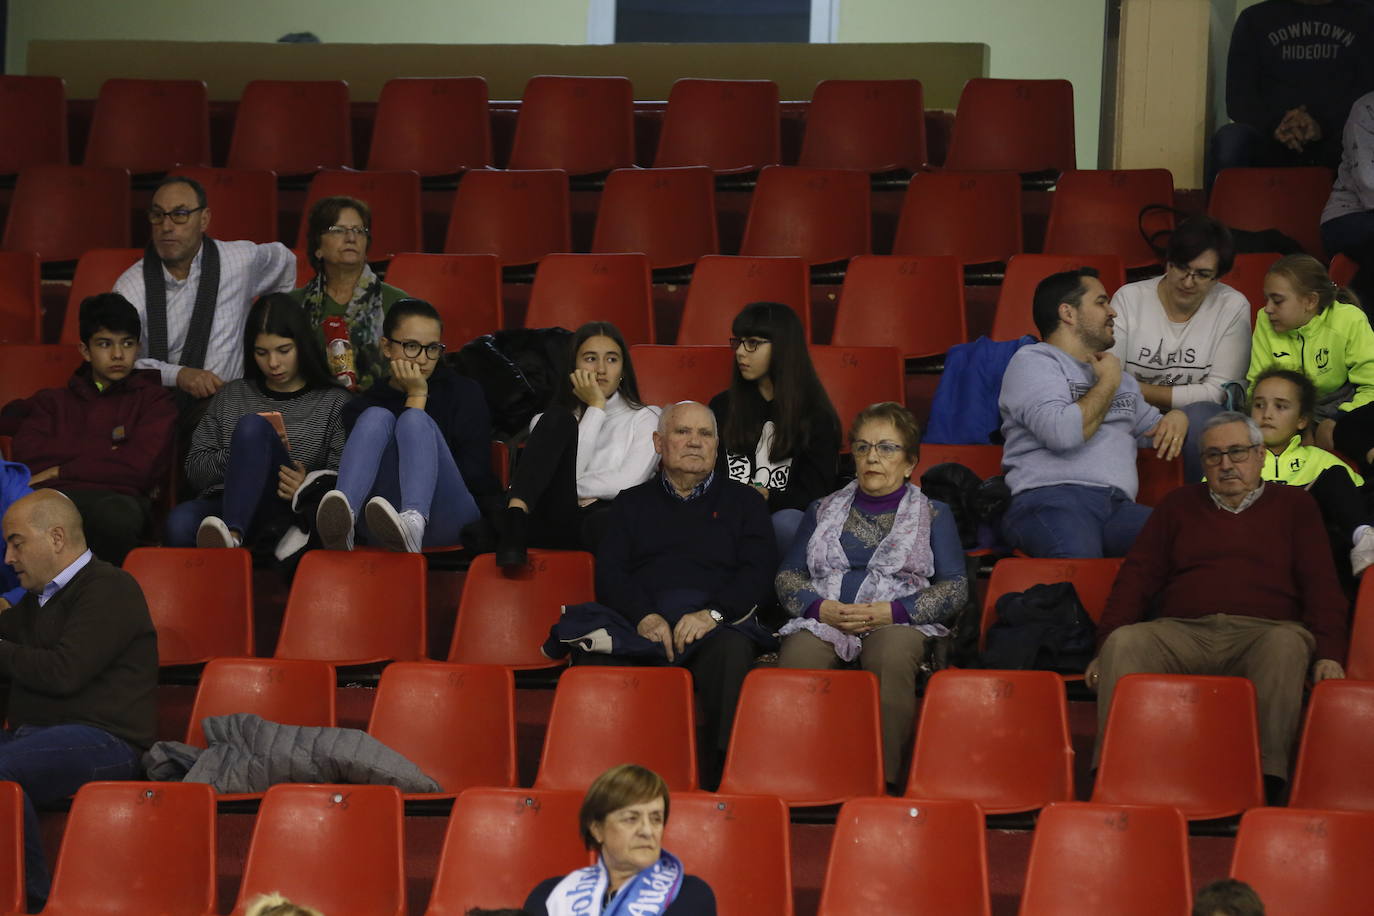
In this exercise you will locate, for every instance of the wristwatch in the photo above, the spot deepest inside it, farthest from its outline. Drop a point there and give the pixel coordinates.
(716, 615)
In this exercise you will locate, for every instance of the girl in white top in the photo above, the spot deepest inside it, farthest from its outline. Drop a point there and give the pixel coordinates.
(595, 440)
(1185, 335)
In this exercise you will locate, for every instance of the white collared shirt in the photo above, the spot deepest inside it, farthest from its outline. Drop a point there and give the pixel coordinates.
(60, 580)
(247, 270)
(1245, 503)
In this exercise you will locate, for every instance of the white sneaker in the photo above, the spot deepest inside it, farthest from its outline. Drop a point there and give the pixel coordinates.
(214, 533)
(402, 532)
(1362, 554)
(334, 521)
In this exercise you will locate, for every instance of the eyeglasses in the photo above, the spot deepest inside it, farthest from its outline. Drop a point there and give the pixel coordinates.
(1187, 273)
(1237, 454)
(179, 216)
(750, 344)
(412, 348)
(885, 449)
(360, 231)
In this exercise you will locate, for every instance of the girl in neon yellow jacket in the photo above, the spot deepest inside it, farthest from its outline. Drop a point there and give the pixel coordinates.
(1282, 405)
(1311, 326)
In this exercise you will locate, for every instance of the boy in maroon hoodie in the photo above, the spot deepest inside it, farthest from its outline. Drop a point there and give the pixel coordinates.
(106, 439)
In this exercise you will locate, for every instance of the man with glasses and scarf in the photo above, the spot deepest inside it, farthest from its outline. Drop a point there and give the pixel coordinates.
(193, 292)
(1229, 577)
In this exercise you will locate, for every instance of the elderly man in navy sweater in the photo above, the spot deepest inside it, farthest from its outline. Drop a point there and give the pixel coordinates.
(688, 558)
(1233, 577)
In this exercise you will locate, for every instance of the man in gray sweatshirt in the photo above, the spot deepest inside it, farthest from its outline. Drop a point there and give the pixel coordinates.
(1071, 421)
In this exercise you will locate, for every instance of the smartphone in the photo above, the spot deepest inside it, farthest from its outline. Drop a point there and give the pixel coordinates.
(274, 417)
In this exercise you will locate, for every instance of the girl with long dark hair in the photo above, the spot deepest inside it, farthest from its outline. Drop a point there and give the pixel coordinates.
(262, 434)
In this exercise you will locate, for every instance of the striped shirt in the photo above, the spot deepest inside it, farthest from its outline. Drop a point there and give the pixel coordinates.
(314, 427)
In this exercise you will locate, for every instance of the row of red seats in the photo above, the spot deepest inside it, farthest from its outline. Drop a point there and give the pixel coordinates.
(584, 125)
(821, 215)
(997, 738)
(341, 849)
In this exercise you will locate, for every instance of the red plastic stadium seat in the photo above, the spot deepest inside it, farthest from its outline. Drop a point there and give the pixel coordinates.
(517, 216)
(572, 289)
(501, 843)
(1127, 860)
(393, 197)
(33, 110)
(5, 447)
(1187, 741)
(829, 719)
(336, 847)
(670, 374)
(63, 211)
(1098, 212)
(504, 617)
(465, 288)
(289, 691)
(580, 124)
(1024, 273)
(137, 847)
(667, 214)
(434, 126)
(1305, 861)
(725, 125)
(1092, 579)
(915, 304)
(305, 272)
(12, 894)
(739, 845)
(998, 738)
(354, 609)
(243, 202)
(1289, 200)
(1247, 277)
(973, 216)
(1343, 269)
(983, 460)
(722, 285)
(871, 125)
(1013, 125)
(820, 215)
(1360, 658)
(96, 272)
(201, 601)
(28, 368)
(292, 127)
(887, 850)
(1337, 751)
(21, 317)
(856, 377)
(605, 716)
(455, 722)
(129, 129)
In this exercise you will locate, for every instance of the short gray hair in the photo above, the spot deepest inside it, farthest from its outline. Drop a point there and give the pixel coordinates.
(667, 411)
(1235, 416)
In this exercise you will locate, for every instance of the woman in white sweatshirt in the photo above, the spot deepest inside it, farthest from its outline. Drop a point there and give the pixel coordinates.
(1185, 335)
(595, 440)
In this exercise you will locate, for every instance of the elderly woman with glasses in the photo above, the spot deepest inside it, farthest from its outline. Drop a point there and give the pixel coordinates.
(875, 570)
(345, 300)
(417, 438)
(1185, 336)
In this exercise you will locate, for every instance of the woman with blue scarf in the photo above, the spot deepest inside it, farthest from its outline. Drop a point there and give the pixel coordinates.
(622, 820)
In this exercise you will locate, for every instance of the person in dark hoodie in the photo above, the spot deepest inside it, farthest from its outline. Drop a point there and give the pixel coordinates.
(419, 440)
(1293, 70)
(105, 440)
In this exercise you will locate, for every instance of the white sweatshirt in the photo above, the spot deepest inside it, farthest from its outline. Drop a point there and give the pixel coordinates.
(1354, 188)
(615, 448)
(1195, 357)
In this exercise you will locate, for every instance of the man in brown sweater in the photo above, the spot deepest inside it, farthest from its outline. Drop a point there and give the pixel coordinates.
(1231, 577)
(80, 652)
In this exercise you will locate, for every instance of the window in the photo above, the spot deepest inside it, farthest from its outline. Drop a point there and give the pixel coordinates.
(611, 21)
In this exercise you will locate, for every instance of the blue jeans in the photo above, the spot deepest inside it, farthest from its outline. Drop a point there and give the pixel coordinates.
(1353, 236)
(250, 485)
(1243, 146)
(50, 763)
(1069, 520)
(406, 461)
(1198, 414)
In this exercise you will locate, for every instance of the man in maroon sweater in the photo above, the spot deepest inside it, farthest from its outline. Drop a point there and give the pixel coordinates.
(106, 439)
(1235, 578)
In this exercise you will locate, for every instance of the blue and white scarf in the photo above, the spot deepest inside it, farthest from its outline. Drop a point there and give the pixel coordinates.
(648, 893)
